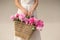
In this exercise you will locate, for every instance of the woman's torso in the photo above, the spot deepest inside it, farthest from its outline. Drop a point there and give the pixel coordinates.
(26, 1)
(26, 4)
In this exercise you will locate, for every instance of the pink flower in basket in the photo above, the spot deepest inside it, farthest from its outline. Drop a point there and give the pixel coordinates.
(31, 20)
(39, 28)
(12, 18)
(26, 20)
(16, 15)
(39, 24)
(21, 16)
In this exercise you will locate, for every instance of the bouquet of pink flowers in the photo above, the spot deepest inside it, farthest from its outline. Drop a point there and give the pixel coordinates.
(28, 20)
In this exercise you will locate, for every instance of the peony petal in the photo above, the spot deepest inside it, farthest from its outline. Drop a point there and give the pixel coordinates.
(12, 18)
(39, 28)
(16, 15)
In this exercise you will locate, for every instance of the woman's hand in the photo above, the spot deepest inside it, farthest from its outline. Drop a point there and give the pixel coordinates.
(33, 7)
(30, 12)
(25, 12)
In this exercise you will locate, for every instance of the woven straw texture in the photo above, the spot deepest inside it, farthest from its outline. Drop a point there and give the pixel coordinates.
(23, 30)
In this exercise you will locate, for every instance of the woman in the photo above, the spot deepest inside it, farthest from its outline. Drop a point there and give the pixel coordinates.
(28, 7)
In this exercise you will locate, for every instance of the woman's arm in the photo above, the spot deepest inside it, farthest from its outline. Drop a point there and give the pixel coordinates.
(20, 7)
(33, 7)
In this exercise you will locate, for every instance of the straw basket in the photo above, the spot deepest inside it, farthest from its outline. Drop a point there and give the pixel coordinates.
(23, 30)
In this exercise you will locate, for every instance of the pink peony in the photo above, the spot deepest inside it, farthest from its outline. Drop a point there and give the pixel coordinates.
(17, 16)
(12, 18)
(39, 28)
(39, 24)
(21, 16)
(35, 20)
(25, 20)
(31, 20)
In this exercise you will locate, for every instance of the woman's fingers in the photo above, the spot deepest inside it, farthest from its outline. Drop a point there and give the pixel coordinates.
(25, 12)
(29, 13)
